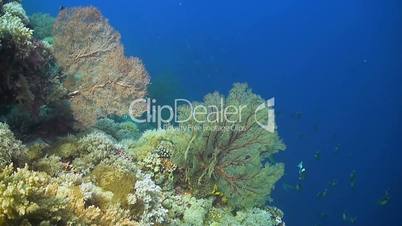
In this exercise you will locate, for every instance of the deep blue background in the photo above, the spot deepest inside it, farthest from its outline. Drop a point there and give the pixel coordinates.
(337, 63)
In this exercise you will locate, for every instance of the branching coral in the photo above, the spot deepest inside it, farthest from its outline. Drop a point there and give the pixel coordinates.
(32, 198)
(92, 149)
(231, 158)
(194, 210)
(15, 8)
(13, 26)
(52, 165)
(160, 166)
(81, 204)
(151, 198)
(27, 196)
(9, 146)
(101, 79)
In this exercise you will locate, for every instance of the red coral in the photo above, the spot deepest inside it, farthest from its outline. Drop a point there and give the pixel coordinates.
(102, 80)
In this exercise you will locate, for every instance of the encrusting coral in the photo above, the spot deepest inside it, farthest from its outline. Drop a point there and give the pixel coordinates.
(112, 173)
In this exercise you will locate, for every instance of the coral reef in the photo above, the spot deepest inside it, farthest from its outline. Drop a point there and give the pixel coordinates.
(102, 81)
(31, 93)
(110, 172)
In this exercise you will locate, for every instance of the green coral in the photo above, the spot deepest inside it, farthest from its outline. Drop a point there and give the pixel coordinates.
(42, 25)
(66, 148)
(231, 158)
(10, 147)
(118, 130)
(117, 181)
(196, 211)
(51, 165)
(35, 151)
(149, 141)
(153, 139)
(253, 216)
(92, 149)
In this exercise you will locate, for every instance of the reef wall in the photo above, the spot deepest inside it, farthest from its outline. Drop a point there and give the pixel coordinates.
(69, 77)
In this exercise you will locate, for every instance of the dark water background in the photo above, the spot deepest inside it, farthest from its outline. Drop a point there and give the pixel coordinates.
(335, 68)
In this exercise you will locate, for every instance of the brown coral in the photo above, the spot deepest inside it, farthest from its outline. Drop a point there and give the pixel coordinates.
(101, 80)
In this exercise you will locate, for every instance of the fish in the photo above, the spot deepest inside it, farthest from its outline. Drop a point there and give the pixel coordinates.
(322, 194)
(302, 171)
(344, 216)
(349, 219)
(287, 187)
(303, 175)
(352, 179)
(333, 183)
(385, 199)
(317, 155)
(301, 167)
(297, 187)
(337, 148)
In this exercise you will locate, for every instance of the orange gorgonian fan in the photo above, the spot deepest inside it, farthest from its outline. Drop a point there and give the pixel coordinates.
(101, 79)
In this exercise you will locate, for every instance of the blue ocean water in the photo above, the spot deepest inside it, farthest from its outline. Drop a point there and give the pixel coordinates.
(334, 67)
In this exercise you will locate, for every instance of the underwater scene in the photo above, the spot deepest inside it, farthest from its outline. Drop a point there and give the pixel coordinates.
(201, 113)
